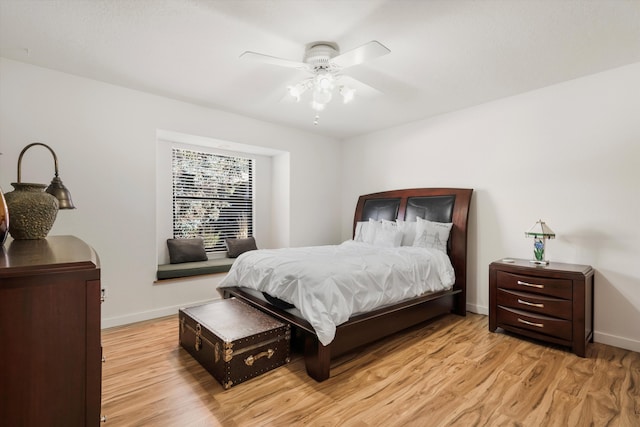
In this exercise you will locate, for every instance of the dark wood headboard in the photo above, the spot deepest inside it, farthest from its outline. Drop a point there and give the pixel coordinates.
(434, 204)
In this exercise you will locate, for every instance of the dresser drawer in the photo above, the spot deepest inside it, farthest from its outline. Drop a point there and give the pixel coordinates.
(549, 306)
(534, 322)
(560, 288)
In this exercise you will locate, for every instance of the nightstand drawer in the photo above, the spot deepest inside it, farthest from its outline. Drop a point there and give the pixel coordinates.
(560, 288)
(549, 306)
(535, 322)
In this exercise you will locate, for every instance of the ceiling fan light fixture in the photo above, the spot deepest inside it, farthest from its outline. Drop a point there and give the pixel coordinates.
(324, 81)
(317, 106)
(322, 96)
(296, 91)
(293, 91)
(347, 94)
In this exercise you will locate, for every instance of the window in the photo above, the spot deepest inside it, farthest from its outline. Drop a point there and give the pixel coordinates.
(212, 197)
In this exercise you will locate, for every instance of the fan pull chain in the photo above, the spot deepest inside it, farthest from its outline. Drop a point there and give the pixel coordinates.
(316, 119)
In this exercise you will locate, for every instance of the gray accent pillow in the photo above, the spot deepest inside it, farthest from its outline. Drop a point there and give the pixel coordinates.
(236, 247)
(186, 250)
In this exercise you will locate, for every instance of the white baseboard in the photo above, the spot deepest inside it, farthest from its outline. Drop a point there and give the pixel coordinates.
(616, 341)
(479, 309)
(147, 315)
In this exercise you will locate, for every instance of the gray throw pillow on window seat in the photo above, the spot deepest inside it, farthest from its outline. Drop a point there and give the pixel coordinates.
(236, 247)
(186, 250)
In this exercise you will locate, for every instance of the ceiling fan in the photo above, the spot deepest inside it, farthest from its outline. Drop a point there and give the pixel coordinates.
(325, 63)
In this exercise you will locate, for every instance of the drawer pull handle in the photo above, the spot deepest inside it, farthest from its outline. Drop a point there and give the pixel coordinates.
(531, 304)
(531, 285)
(537, 325)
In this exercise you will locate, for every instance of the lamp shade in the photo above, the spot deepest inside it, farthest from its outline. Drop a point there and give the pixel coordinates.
(540, 230)
(60, 192)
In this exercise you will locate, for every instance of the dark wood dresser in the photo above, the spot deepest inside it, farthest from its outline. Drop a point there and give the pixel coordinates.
(553, 303)
(50, 350)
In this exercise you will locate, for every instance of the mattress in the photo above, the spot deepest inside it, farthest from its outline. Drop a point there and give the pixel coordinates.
(329, 284)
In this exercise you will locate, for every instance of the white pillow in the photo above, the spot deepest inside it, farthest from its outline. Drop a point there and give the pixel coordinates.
(431, 234)
(366, 231)
(408, 229)
(388, 237)
(358, 236)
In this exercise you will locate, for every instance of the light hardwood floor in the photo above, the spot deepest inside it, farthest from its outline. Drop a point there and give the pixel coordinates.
(452, 371)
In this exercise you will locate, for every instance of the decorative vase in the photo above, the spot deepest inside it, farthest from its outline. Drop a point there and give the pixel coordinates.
(32, 211)
(4, 219)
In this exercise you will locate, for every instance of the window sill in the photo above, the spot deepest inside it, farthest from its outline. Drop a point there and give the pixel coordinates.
(188, 269)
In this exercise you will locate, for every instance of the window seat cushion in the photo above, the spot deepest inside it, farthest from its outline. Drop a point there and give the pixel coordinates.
(186, 269)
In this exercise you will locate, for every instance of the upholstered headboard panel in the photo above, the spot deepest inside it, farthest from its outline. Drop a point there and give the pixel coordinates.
(433, 208)
(380, 209)
(438, 208)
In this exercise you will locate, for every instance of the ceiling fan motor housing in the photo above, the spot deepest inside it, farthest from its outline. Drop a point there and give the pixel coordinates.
(318, 55)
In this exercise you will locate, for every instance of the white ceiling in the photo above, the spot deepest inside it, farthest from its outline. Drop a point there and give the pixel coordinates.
(445, 55)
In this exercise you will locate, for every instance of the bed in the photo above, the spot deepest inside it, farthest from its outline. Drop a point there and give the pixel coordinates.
(440, 205)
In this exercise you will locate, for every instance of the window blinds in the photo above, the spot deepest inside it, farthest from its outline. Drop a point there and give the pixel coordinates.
(212, 197)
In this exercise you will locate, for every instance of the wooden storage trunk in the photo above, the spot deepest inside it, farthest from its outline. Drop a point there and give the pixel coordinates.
(233, 341)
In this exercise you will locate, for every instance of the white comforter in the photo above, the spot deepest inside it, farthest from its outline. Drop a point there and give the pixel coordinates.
(329, 284)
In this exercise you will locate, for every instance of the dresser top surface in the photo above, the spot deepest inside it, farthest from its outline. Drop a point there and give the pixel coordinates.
(52, 253)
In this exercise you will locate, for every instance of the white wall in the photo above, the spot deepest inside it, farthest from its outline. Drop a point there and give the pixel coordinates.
(105, 139)
(568, 154)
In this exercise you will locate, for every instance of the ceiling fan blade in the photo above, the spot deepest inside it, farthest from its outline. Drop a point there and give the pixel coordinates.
(356, 56)
(274, 61)
(362, 89)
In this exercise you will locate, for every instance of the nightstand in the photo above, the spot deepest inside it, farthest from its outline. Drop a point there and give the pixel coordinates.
(552, 303)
